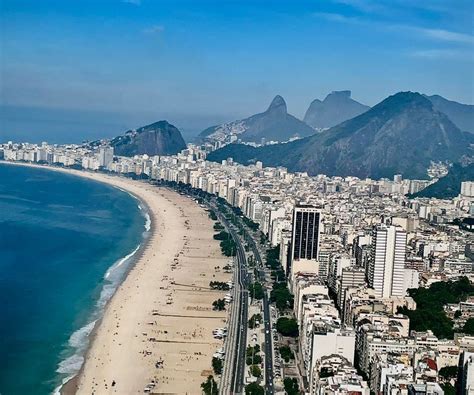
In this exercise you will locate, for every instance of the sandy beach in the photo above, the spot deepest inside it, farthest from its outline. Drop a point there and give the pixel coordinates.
(158, 325)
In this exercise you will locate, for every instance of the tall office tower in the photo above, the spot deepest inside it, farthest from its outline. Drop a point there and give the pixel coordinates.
(305, 235)
(106, 156)
(386, 267)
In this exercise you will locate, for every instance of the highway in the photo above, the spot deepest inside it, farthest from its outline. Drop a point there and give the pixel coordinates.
(237, 339)
(267, 321)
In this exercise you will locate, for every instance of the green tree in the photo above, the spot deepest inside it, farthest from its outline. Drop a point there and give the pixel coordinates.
(254, 389)
(287, 326)
(448, 389)
(256, 290)
(254, 319)
(217, 365)
(291, 386)
(281, 296)
(449, 372)
(218, 305)
(209, 387)
(255, 371)
(468, 328)
(222, 235)
(429, 313)
(286, 353)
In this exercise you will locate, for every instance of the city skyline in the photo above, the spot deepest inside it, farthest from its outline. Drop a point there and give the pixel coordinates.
(125, 63)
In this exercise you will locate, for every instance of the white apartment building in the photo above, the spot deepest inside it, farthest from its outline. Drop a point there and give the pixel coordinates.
(386, 269)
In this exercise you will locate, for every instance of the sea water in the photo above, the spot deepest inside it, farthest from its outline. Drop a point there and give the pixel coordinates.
(66, 243)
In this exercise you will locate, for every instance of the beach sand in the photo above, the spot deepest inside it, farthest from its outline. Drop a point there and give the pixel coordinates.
(163, 309)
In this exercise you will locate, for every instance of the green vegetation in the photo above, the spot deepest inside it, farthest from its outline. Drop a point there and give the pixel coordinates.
(228, 245)
(221, 286)
(273, 262)
(217, 365)
(218, 304)
(254, 389)
(287, 326)
(222, 236)
(256, 290)
(448, 186)
(273, 258)
(448, 389)
(254, 319)
(251, 355)
(209, 387)
(212, 215)
(468, 328)
(252, 350)
(448, 372)
(429, 313)
(218, 226)
(255, 371)
(291, 386)
(256, 359)
(252, 225)
(286, 353)
(281, 296)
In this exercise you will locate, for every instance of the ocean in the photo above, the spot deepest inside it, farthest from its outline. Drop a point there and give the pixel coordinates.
(65, 245)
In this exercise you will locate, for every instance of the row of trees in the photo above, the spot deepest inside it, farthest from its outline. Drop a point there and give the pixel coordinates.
(252, 356)
(220, 285)
(256, 290)
(228, 246)
(218, 305)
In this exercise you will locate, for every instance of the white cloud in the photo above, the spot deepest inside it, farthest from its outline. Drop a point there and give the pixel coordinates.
(443, 54)
(333, 17)
(433, 34)
(155, 29)
(446, 35)
(134, 2)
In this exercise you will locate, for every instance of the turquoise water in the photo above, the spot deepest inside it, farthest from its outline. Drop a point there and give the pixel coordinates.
(62, 244)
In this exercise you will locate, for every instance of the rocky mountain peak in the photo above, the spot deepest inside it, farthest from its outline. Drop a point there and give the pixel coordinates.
(278, 104)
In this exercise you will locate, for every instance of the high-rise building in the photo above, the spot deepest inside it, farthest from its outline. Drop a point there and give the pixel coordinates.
(305, 235)
(106, 156)
(386, 267)
(467, 188)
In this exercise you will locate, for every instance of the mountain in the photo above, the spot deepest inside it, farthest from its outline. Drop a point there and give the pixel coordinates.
(462, 115)
(159, 138)
(337, 107)
(400, 135)
(448, 186)
(273, 124)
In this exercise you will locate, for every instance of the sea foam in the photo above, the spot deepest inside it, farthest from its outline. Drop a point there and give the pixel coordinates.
(79, 340)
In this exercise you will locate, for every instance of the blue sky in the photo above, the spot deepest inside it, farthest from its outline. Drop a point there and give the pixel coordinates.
(72, 69)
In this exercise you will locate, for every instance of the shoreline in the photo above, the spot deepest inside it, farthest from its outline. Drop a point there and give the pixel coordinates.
(68, 385)
(159, 313)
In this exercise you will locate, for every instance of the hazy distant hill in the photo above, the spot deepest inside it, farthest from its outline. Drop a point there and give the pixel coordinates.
(273, 124)
(462, 115)
(402, 134)
(448, 186)
(337, 107)
(159, 138)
